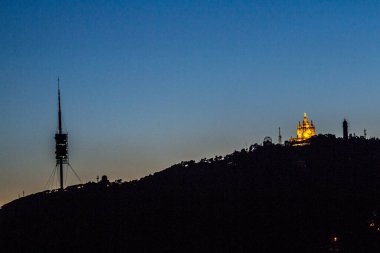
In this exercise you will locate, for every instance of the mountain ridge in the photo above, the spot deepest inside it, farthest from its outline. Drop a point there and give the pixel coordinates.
(269, 198)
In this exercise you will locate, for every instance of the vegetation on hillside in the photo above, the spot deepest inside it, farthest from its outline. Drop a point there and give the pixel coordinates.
(323, 197)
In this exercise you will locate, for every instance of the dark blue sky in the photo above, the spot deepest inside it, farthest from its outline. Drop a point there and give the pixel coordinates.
(146, 84)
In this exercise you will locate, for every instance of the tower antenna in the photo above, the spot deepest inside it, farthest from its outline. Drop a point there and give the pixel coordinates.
(59, 110)
(279, 136)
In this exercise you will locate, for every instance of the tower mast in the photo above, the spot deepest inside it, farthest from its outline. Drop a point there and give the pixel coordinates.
(61, 152)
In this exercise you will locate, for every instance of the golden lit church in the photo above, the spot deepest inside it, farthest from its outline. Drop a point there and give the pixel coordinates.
(305, 131)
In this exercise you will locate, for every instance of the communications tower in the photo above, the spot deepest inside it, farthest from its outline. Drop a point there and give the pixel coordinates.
(61, 150)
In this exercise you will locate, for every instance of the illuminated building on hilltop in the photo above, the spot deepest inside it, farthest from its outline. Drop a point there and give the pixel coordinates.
(305, 131)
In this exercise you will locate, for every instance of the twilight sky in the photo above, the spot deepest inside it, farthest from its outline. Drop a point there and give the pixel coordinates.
(147, 84)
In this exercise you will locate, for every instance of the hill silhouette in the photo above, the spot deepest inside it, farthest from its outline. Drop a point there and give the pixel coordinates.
(323, 197)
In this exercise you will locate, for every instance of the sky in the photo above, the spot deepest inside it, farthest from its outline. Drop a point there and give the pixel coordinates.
(147, 84)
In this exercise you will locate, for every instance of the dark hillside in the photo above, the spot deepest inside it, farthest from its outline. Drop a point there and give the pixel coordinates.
(318, 198)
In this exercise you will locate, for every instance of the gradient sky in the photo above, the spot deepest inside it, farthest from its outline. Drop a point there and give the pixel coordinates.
(147, 84)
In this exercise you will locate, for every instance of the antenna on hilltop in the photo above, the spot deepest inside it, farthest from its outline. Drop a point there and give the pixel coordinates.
(61, 149)
(279, 136)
